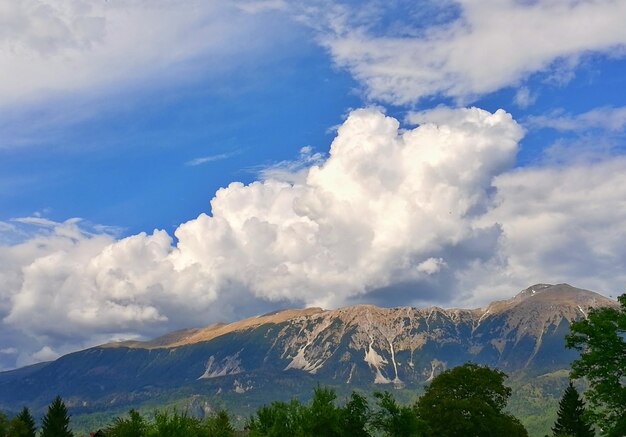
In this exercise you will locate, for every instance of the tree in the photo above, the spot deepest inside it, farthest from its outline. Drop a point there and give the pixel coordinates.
(600, 338)
(56, 422)
(395, 420)
(322, 416)
(277, 419)
(218, 425)
(175, 425)
(571, 416)
(468, 400)
(134, 426)
(4, 424)
(354, 417)
(23, 425)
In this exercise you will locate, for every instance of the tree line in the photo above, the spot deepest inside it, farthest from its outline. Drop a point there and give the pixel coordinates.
(468, 400)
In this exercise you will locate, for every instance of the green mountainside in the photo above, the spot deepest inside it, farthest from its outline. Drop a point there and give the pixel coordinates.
(284, 354)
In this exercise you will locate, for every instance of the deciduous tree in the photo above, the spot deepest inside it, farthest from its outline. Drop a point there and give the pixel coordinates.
(468, 400)
(601, 340)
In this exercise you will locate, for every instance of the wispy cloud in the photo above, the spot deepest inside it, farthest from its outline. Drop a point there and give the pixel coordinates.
(51, 47)
(292, 171)
(483, 47)
(604, 118)
(524, 97)
(211, 158)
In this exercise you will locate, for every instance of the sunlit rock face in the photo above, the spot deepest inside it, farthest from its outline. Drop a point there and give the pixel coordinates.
(358, 346)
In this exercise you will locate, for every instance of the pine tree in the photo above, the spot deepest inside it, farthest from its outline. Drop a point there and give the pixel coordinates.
(570, 419)
(27, 428)
(56, 422)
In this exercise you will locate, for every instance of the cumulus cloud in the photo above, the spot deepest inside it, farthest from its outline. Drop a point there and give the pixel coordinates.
(381, 209)
(560, 224)
(51, 46)
(429, 214)
(479, 48)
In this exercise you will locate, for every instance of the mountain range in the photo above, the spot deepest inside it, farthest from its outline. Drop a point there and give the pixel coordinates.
(283, 354)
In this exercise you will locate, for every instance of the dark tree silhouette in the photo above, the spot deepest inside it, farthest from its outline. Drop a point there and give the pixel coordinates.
(56, 422)
(571, 416)
(24, 424)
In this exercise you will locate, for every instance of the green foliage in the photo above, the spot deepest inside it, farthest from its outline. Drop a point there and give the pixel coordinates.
(171, 425)
(600, 338)
(354, 417)
(322, 417)
(175, 425)
(571, 416)
(56, 422)
(23, 425)
(218, 425)
(133, 426)
(395, 420)
(4, 424)
(468, 400)
(277, 419)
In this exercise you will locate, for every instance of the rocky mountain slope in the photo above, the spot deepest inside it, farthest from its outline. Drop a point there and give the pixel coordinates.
(357, 346)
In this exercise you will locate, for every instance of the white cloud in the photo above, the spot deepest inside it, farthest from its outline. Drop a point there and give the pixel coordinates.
(605, 118)
(51, 46)
(489, 45)
(45, 354)
(256, 6)
(433, 213)
(560, 224)
(524, 97)
(293, 171)
(209, 158)
(431, 265)
(381, 209)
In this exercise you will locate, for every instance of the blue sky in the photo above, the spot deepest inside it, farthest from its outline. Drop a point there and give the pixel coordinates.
(121, 118)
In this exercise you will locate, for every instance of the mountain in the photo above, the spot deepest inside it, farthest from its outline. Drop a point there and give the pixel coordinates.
(281, 354)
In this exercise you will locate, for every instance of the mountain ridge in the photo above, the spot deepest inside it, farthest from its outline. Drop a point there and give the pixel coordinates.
(194, 335)
(283, 354)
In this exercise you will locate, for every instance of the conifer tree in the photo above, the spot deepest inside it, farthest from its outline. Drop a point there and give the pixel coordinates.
(56, 422)
(570, 419)
(27, 426)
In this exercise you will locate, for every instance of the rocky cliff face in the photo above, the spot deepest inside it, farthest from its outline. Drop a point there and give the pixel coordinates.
(358, 346)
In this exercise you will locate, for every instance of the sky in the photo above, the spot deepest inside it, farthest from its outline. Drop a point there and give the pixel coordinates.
(170, 164)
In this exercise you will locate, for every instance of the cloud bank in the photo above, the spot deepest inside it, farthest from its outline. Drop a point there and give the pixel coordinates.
(432, 213)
